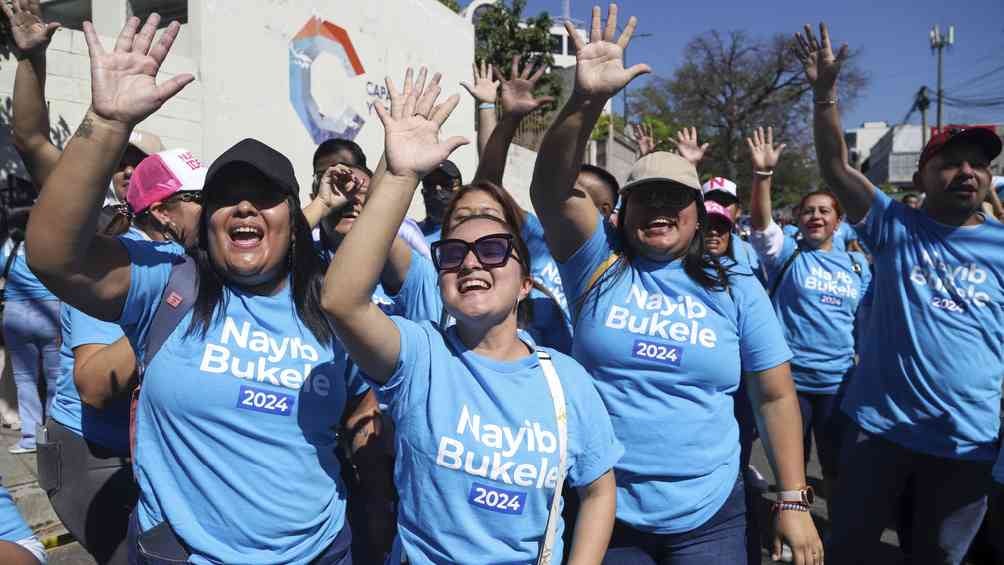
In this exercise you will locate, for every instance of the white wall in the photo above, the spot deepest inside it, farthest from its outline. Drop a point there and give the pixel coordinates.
(245, 71)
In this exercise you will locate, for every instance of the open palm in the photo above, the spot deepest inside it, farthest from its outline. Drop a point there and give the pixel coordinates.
(820, 64)
(763, 152)
(30, 33)
(688, 146)
(411, 127)
(600, 71)
(123, 81)
(517, 92)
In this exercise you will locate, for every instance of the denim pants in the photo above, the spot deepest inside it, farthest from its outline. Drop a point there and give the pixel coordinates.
(950, 500)
(31, 332)
(822, 418)
(719, 541)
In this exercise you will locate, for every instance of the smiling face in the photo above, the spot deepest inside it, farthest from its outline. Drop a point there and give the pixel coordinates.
(660, 221)
(956, 181)
(249, 231)
(479, 296)
(818, 219)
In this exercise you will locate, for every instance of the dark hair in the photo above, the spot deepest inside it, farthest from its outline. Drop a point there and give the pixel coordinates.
(511, 212)
(304, 265)
(703, 268)
(607, 178)
(331, 146)
(822, 192)
(909, 195)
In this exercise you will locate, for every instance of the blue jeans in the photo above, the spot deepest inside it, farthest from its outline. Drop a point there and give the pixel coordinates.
(719, 541)
(950, 500)
(31, 332)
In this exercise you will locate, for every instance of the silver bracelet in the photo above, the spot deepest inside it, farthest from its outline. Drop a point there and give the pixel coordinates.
(769, 173)
(486, 106)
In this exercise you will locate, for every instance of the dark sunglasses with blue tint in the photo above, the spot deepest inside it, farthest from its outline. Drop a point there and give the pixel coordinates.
(492, 251)
(187, 196)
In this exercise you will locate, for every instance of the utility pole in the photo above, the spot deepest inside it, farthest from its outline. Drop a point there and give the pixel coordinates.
(939, 42)
(923, 103)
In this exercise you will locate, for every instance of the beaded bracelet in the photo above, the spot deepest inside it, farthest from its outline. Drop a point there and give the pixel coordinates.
(796, 506)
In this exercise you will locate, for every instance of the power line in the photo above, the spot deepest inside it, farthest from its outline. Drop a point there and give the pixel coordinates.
(977, 78)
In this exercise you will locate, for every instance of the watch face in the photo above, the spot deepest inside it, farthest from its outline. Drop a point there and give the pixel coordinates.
(808, 496)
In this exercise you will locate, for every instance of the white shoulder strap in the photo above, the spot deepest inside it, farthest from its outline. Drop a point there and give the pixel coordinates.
(561, 417)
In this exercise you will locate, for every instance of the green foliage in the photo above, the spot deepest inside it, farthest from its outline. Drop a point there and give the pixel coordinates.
(503, 33)
(451, 4)
(729, 84)
(889, 188)
(602, 128)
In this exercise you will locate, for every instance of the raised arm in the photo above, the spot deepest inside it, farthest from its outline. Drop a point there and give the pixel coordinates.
(688, 146)
(854, 190)
(517, 102)
(568, 215)
(484, 91)
(104, 372)
(764, 155)
(87, 271)
(332, 189)
(645, 138)
(413, 148)
(31, 116)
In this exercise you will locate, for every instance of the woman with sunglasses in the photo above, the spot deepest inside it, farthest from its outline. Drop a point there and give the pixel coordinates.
(479, 455)
(237, 416)
(816, 289)
(667, 333)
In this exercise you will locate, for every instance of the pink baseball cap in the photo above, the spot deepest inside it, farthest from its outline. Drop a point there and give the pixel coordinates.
(715, 209)
(162, 174)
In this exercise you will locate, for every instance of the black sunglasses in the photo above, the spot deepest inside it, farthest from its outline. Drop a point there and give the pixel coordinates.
(188, 196)
(492, 251)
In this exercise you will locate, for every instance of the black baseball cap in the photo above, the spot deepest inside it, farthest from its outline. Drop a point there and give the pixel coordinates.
(984, 137)
(253, 153)
(449, 169)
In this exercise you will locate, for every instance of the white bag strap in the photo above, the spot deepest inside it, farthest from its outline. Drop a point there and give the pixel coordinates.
(561, 417)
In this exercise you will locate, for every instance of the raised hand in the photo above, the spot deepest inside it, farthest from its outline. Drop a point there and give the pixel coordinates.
(335, 184)
(821, 66)
(645, 137)
(517, 92)
(30, 33)
(600, 72)
(411, 126)
(688, 146)
(123, 85)
(763, 152)
(484, 89)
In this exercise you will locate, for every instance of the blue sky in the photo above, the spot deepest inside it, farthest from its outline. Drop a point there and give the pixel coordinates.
(892, 34)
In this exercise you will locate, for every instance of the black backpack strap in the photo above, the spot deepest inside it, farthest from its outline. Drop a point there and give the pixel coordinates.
(783, 272)
(10, 258)
(855, 266)
(176, 301)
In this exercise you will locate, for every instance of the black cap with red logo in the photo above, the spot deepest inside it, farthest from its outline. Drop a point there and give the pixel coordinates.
(984, 137)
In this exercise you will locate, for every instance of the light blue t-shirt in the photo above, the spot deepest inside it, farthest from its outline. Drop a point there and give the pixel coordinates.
(13, 528)
(109, 426)
(420, 299)
(930, 372)
(816, 302)
(477, 448)
(843, 235)
(790, 230)
(236, 429)
(666, 355)
(744, 255)
(432, 232)
(21, 284)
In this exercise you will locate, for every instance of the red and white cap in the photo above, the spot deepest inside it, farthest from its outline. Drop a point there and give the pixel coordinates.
(720, 184)
(162, 174)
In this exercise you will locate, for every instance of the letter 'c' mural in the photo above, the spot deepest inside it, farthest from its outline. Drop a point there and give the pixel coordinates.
(315, 37)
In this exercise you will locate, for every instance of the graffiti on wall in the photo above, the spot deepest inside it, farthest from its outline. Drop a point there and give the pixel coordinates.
(314, 38)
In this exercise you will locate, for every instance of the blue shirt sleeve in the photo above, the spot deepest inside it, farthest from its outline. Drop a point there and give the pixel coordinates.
(88, 330)
(590, 428)
(419, 297)
(761, 340)
(149, 273)
(577, 271)
(877, 226)
(13, 528)
(409, 383)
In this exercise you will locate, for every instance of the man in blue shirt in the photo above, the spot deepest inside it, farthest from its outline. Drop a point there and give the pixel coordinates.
(926, 396)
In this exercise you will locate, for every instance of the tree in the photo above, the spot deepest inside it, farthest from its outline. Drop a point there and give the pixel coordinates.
(451, 4)
(729, 84)
(502, 33)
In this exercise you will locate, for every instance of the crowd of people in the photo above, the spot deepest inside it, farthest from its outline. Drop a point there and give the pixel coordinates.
(236, 376)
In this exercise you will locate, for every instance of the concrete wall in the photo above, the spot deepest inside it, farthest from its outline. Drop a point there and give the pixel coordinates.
(240, 54)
